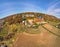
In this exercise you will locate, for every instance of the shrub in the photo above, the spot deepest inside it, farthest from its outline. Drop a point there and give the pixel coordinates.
(9, 36)
(1, 38)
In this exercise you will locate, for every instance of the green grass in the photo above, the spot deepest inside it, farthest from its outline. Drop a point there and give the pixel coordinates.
(32, 30)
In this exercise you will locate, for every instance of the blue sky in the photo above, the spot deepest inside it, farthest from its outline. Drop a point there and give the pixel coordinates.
(9, 7)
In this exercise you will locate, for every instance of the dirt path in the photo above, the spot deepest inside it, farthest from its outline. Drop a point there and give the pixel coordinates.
(56, 32)
(51, 28)
(44, 39)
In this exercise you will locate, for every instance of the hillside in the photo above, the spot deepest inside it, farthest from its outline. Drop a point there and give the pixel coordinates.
(17, 18)
(39, 40)
(33, 30)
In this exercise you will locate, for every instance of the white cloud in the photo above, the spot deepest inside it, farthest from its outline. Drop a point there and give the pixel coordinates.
(57, 10)
(53, 9)
(31, 7)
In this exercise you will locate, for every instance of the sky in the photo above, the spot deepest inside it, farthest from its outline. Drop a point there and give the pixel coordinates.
(10, 7)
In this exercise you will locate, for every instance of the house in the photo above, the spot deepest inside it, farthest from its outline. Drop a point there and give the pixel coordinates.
(31, 19)
(29, 22)
(29, 15)
(37, 20)
(27, 19)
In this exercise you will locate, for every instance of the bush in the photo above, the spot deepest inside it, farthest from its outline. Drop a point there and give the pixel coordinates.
(59, 26)
(36, 25)
(9, 36)
(1, 38)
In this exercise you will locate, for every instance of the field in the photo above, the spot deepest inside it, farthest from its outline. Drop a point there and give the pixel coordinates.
(43, 39)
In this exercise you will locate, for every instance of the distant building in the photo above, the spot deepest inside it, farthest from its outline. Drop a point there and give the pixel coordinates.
(28, 15)
(30, 19)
